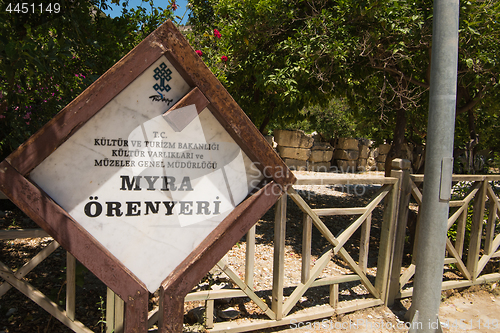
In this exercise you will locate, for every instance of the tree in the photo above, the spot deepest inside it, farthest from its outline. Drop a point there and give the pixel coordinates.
(53, 51)
(373, 53)
(330, 121)
(478, 80)
(263, 74)
(403, 55)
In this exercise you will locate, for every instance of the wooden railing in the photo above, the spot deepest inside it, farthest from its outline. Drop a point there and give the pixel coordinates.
(15, 279)
(475, 213)
(388, 280)
(279, 311)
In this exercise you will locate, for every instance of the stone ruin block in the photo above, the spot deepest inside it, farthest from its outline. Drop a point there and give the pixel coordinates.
(294, 153)
(270, 140)
(347, 144)
(349, 155)
(381, 158)
(363, 164)
(371, 164)
(296, 139)
(321, 156)
(321, 152)
(322, 146)
(383, 149)
(364, 152)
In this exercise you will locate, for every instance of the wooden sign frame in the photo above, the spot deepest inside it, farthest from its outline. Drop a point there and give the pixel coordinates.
(206, 91)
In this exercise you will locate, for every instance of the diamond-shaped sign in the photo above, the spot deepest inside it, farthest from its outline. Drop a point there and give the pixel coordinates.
(147, 186)
(149, 176)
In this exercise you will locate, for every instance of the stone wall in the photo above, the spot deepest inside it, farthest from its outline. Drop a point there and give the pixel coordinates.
(408, 152)
(321, 156)
(380, 155)
(371, 158)
(304, 152)
(300, 151)
(346, 154)
(364, 155)
(294, 147)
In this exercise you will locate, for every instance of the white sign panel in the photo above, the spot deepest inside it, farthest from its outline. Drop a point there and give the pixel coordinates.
(149, 188)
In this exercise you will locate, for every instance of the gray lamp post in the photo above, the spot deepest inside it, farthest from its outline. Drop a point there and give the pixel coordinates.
(432, 231)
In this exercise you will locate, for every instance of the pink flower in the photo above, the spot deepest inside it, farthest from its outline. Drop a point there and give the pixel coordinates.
(217, 33)
(223, 58)
(199, 53)
(27, 116)
(174, 6)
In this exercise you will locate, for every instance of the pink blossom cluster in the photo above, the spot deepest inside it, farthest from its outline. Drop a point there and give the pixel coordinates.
(219, 36)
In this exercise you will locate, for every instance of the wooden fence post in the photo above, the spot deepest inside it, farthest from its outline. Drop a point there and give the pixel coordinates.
(364, 243)
(490, 227)
(386, 247)
(115, 312)
(250, 257)
(279, 255)
(476, 230)
(70, 285)
(110, 311)
(306, 248)
(400, 170)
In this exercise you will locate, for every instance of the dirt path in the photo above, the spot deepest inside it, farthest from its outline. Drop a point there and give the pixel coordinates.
(474, 310)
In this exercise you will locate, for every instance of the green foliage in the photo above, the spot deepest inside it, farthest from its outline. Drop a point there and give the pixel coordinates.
(478, 81)
(331, 121)
(459, 191)
(375, 55)
(285, 62)
(263, 72)
(47, 59)
(101, 306)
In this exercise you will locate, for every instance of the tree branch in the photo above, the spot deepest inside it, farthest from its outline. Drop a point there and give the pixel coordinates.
(406, 78)
(472, 103)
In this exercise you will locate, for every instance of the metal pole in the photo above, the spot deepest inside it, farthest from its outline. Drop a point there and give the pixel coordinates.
(438, 168)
